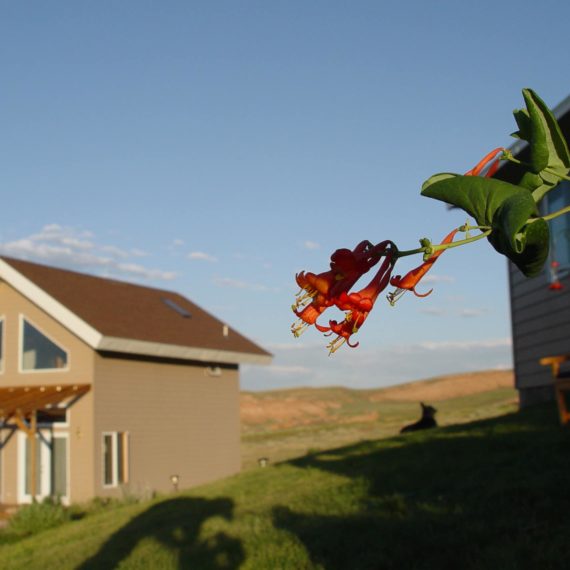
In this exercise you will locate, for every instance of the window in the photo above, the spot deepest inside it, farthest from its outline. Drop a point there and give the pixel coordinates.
(115, 458)
(176, 307)
(39, 352)
(559, 227)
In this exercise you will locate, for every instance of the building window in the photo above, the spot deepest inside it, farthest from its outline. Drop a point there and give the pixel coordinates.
(559, 227)
(115, 458)
(39, 352)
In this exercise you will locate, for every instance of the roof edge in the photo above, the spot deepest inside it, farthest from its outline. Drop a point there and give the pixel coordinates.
(50, 305)
(145, 348)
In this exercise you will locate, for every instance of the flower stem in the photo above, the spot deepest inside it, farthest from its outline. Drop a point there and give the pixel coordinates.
(410, 252)
(556, 214)
(433, 248)
(460, 242)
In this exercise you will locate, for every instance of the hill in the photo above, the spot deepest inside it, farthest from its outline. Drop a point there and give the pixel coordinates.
(487, 494)
(281, 424)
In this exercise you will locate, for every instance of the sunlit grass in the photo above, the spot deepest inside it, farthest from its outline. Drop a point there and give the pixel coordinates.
(489, 494)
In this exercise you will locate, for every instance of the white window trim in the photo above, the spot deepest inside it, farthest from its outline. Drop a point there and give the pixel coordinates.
(21, 369)
(114, 453)
(46, 478)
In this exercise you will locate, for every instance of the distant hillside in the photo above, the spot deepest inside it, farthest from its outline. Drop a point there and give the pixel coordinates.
(286, 409)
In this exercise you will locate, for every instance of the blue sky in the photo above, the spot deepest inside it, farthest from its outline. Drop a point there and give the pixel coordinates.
(217, 148)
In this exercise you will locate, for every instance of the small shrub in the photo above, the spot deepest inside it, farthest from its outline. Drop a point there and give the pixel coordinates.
(37, 517)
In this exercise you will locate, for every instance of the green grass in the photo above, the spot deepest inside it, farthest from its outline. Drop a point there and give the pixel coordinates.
(289, 443)
(493, 493)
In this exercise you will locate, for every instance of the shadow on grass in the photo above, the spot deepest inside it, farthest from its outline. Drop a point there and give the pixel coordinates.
(175, 524)
(492, 494)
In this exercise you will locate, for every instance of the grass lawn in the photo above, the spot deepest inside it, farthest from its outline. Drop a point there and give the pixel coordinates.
(489, 494)
(346, 425)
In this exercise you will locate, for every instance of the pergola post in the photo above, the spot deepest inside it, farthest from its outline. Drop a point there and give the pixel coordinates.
(33, 459)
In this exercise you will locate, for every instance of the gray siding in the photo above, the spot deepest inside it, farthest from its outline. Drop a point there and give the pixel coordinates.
(541, 326)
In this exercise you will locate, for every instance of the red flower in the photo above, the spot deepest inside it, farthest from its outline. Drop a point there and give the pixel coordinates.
(413, 277)
(358, 305)
(320, 291)
(487, 162)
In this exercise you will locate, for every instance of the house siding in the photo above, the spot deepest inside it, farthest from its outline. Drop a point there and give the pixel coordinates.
(541, 327)
(80, 415)
(180, 421)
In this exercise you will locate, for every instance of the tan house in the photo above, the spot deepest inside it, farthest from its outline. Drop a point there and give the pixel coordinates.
(109, 388)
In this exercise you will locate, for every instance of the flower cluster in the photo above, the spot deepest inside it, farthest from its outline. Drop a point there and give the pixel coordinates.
(506, 213)
(333, 288)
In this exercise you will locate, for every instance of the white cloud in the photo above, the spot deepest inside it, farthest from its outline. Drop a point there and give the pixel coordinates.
(76, 249)
(138, 252)
(465, 345)
(201, 256)
(472, 312)
(237, 284)
(114, 251)
(285, 370)
(438, 279)
(306, 363)
(311, 245)
(435, 311)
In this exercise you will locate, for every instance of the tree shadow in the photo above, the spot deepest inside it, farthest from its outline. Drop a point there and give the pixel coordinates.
(492, 495)
(175, 524)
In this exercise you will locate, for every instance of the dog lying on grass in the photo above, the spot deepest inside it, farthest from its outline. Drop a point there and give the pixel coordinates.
(427, 420)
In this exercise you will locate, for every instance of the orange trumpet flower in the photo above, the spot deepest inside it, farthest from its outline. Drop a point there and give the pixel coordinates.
(319, 291)
(488, 162)
(358, 305)
(413, 277)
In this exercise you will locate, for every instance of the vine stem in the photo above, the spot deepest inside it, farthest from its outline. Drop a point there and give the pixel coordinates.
(556, 214)
(434, 248)
(460, 242)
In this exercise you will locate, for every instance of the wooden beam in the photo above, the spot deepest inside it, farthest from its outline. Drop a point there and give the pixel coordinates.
(20, 421)
(36, 399)
(33, 459)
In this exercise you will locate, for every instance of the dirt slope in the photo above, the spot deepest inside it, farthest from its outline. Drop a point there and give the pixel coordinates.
(282, 409)
(446, 387)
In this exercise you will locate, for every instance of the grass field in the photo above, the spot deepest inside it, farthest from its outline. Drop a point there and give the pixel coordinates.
(487, 494)
(285, 424)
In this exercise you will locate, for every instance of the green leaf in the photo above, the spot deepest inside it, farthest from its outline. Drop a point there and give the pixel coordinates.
(523, 122)
(479, 197)
(503, 206)
(532, 258)
(511, 217)
(548, 148)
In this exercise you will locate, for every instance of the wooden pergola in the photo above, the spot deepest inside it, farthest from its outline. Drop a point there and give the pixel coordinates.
(21, 404)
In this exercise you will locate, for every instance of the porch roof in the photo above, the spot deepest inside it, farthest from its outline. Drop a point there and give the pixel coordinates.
(22, 401)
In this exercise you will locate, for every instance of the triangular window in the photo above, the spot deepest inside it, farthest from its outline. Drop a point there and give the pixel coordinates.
(39, 352)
